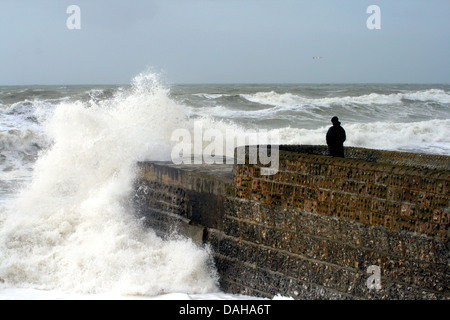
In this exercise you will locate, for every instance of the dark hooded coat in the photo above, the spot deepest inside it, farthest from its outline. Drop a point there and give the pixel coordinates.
(335, 139)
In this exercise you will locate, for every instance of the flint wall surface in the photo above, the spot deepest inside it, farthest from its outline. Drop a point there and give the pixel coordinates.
(313, 229)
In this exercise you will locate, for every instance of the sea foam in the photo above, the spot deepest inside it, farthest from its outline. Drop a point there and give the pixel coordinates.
(72, 228)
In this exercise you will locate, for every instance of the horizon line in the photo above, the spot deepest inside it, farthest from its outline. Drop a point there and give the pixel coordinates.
(231, 83)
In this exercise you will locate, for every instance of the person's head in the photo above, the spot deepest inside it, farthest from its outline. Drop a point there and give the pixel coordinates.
(335, 121)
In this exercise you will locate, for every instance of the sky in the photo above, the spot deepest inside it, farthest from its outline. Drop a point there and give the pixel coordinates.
(224, 41)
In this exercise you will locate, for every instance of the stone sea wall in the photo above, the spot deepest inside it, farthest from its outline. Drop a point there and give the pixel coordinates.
(373, 225)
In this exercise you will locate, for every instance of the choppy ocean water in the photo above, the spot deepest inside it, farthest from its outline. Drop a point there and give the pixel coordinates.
(67, 163)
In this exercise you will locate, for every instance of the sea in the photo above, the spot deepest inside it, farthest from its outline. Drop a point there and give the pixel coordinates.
(68, 159)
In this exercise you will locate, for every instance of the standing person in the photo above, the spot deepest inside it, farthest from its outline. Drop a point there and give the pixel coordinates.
(335, 139)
